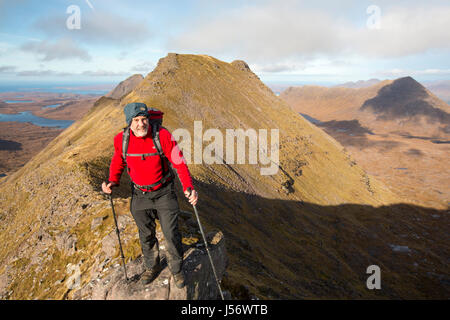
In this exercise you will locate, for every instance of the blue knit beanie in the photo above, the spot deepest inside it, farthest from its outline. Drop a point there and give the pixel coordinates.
(135, 109)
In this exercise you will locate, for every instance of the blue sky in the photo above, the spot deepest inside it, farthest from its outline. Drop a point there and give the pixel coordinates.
(294, 41)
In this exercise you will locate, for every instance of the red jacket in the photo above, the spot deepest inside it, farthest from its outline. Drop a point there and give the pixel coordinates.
(148, 171)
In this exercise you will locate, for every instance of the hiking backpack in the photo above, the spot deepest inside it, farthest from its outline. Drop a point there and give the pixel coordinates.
(155, 117)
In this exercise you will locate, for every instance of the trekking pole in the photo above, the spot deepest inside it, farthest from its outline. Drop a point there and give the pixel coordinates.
(118, 237)
(206, 245)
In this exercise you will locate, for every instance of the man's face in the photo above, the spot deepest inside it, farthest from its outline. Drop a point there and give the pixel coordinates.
(139, 126)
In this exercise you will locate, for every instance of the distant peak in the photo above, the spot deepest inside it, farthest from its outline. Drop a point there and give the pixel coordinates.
(360, 83)
(407, 83)
(168, 63)
(241, 65)
(407, 79)
(125, 87)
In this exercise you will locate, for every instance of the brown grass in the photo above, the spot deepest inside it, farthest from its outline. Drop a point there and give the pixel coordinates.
(314, 242)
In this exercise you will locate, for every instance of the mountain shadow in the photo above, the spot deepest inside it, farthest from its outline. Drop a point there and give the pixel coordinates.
(352, 133)
(287, 249)
(354, 127)
(404, 98)
(10, 145)
(293, 249)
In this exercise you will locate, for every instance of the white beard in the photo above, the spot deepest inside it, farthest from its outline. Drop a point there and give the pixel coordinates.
(140, 133)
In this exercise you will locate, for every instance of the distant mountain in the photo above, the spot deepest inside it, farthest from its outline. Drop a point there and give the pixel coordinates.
(326, 103)
(396, 129)
(359, 83)
(404, 98)
(125, 87)
(401, 105)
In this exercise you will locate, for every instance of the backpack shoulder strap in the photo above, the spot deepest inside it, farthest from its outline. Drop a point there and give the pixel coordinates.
(125, 141)
(156, 141)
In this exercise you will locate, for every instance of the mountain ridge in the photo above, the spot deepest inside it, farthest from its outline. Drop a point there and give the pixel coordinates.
(125, 86)
(309, 231)
(359, 83)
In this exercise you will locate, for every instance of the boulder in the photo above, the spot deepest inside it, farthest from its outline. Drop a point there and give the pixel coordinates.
(200, 280)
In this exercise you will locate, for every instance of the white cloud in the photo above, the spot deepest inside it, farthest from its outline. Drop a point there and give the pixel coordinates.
(261, 33)
(277, 67)
(5, 48)
(7, 69)
(404, 31)
(144, 66)
(43, 73)
(46, 73)
(409, 72)
(9, 35)
(61, 49)
(276, 31)
(97, 27)
(104, 73)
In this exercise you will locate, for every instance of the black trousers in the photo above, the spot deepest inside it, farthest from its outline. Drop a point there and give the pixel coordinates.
(161, 204)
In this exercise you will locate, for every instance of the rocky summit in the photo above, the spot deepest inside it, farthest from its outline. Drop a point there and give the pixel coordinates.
(308, 229)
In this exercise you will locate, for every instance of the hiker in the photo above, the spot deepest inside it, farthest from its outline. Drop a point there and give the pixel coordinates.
(149, 148)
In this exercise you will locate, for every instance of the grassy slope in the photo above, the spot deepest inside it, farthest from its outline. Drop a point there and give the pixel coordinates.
(315, 242)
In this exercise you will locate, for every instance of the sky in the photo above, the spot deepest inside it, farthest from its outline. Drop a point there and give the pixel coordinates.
(283, 41)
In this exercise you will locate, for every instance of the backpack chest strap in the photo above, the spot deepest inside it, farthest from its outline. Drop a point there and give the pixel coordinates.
(141, 155)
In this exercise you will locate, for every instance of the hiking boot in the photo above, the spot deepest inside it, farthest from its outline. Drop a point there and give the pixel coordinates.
(150, 274)
(178, 278)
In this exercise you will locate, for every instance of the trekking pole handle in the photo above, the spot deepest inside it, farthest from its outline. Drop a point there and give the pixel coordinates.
(189, 189)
